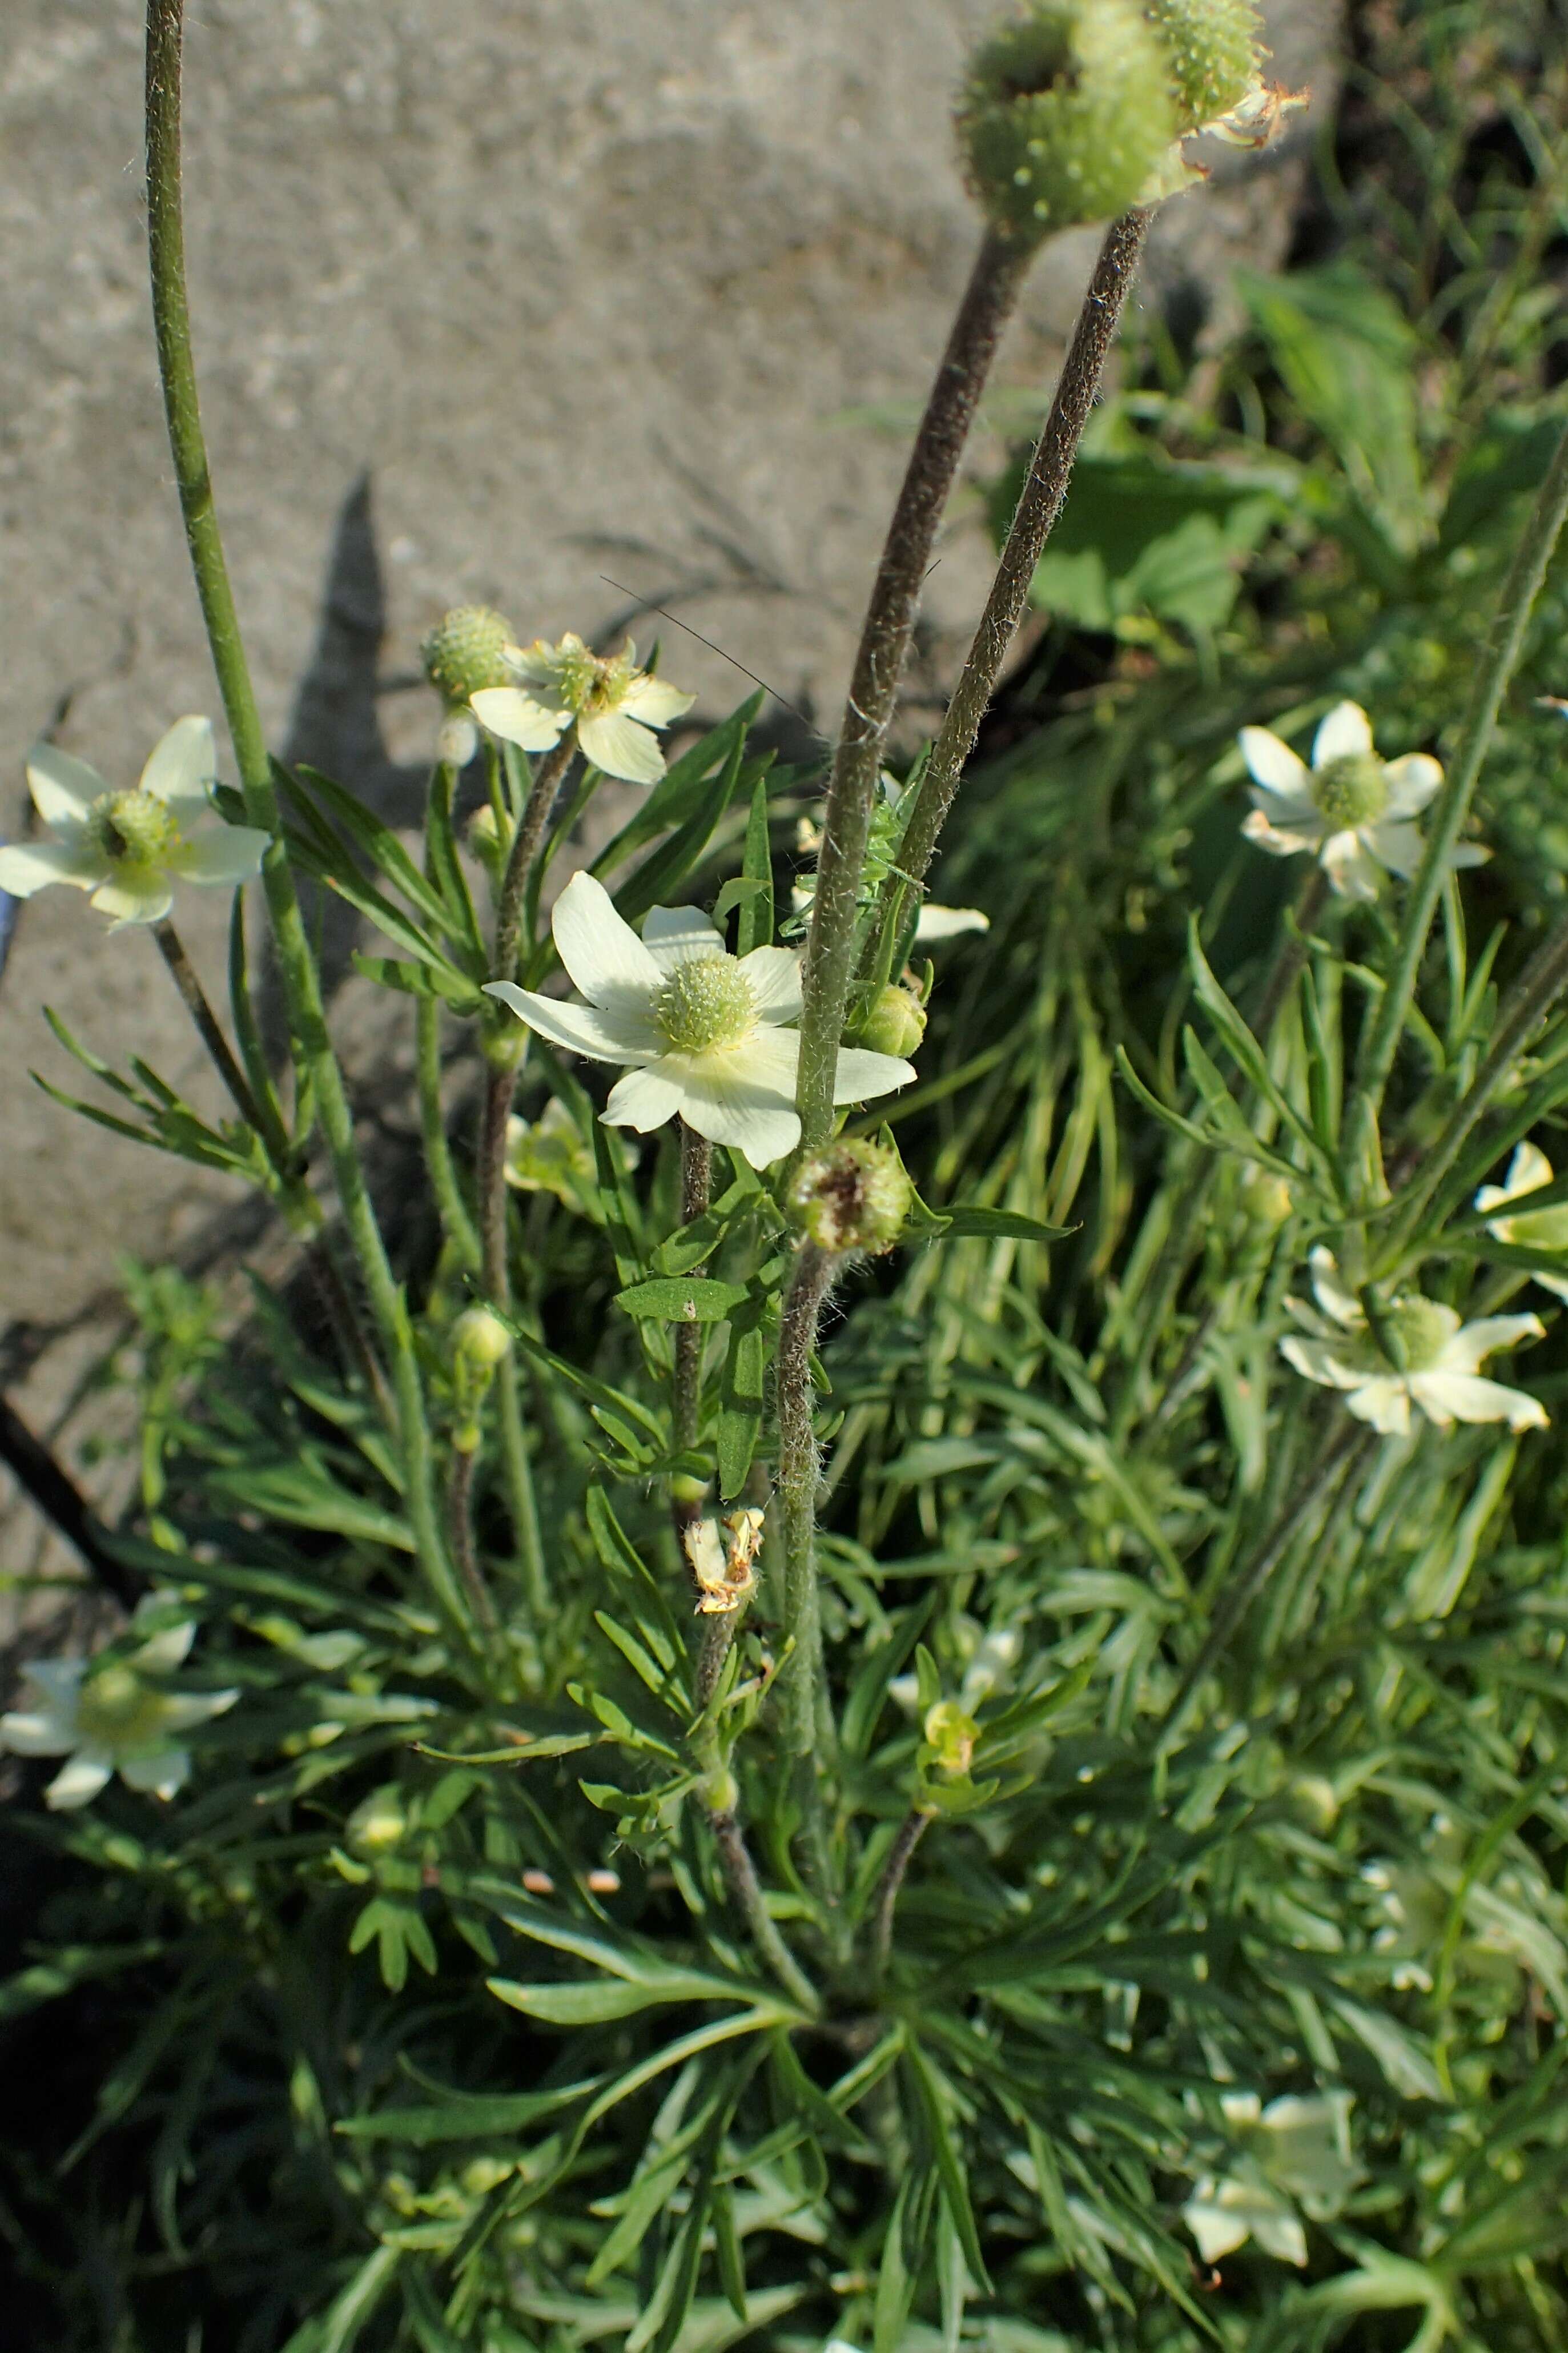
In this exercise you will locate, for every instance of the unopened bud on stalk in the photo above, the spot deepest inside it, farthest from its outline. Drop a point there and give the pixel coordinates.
(853, 1197)
(480, 1341)
(377, 1824)
(488, 841)
(896, 1022)
(1216, 58)
(1063, 116)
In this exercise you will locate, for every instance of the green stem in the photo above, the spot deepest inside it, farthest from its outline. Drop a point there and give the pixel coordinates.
(696, 1183)
(801, 1674)
(171, 947)
(1499, 659)
(526, 845)
(495, 1275)
(988, 299)
(453, 1210)
(460, 1534)
(518, 1472)
(302, 987)
(1040, 504)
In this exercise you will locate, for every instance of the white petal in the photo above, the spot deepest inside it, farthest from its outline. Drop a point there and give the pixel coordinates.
(537, 663)
(63, 790)
(169, 1638)
(1464, 1352)
(517, 719)
(675, 936)
(1460, 1396)
(621, 747)
(1385, 1404)
(1398, 845)
(161, 1773)
(644, 1099)
(1278, 841)
(1411, 782)
(1273, 764)
(1345, 733)
(185, 1710)
(1469, 853)
(29, 866)
(133, 896)
(608, 963)
(1529, 1169)
(80, 1780)
(1316, 1361)
(59, 1679)
(774, 975)
(947, 922)
(227, 853)
(655, 703)
(1339, 1304)
(43, 1735)
(741, 1098)
(581, 1029)
(184, 762)
(1351, 872)
(1280, 2234)
(859, 1076)
(1556, 1283)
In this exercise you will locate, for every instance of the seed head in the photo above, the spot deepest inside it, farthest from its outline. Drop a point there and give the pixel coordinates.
(465, 652)
(1214, 55)
(853, 1197)
(1063, 116)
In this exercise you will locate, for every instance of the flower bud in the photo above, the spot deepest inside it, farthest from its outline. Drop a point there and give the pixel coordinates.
(480, 1341)
(466, 652)
(853, 1197)
(1214, 52)
(378, 1824)
(896, 1022)
(950, 1734)
(1063, 116)
(720, 1791)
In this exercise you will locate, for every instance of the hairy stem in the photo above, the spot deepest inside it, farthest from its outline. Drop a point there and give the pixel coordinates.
(911, 1830)
(460, 1535)
(745, 1888)
(495, 1275)
(456, 1223)
(1035, 519)
(987, 303)
(695, 1182)
(301, 986)
(1498, 658)
(718, 1635)
(801, 1675)
(527, 843)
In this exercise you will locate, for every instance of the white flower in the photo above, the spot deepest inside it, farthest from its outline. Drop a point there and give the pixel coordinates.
(1350, 809)
(1537, 1229)
(723, 1557)
(1442, 1357)
(115, 1718)
(130, 848)
(703, 1032)
(1295, 2149)
(1222, 2214)
(616, 705)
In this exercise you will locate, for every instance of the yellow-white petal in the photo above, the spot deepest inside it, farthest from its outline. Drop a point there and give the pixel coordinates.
(135, 897)
(655, 703)
(1279, 840)
(1462, 1397)
(1352, 874)
(580, 1029)
(1467, 1348)
(947, 922)
(223, 854)
(517, 719)
(607, 961)
(80, 1781)
(674, 935)
(1385, 1403)
(1411, 782)
(63, 790)
(43, 1733)
(644, 1099)
(859, 1076)
(160, 1774)
(1398, 845)
(1273, 764)
(773, 975)
(1344, 735)
(182, 766)
(622, 747)
(29, 866)
(1339, 1304)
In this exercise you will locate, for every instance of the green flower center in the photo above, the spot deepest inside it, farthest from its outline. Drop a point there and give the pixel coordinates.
(1421, 1328)
(133, 828)
(706, 1002)
(1351, 791)
(117, 1710)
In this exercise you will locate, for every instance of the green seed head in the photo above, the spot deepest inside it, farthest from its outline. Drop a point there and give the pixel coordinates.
(1214, 51)
(480, 1341)
(1063, 116)
(117, 1710)
(464, 652)
(133, 828)
(896, 1023)
(1351, 791)
(706, 1003)
(853, 1197)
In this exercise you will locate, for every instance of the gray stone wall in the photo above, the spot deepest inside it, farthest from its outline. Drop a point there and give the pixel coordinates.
(492, 301)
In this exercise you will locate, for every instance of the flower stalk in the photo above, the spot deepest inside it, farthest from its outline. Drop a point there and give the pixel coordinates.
(301, 986)
(798, 1469)
(686, 1494)
(884, 1903)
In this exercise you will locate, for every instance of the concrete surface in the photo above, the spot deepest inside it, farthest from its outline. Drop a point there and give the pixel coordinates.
(491, 302)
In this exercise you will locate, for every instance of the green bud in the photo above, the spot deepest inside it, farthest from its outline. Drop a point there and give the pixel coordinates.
(896, 1023)
(379, 1823)
(486, 841)
(950, 1735)
(1063, 116)
(465, 651)
(1214, 52)
(720, 1791)
(853, 1197)
(480, 1341)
